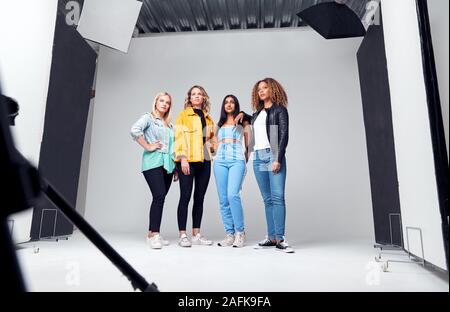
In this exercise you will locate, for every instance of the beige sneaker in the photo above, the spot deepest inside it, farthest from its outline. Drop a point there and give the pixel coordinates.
(201, 240)
(227, 241)
(239, 240)
(155, 242)
(184, 241)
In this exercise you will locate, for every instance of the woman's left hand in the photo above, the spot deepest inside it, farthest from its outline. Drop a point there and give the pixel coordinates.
(276, 166)
(175, 176)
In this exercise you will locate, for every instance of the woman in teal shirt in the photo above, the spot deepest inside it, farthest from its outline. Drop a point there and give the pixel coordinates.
(154, 132)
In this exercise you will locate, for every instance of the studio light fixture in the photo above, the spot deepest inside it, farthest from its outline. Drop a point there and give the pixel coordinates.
(333, 20)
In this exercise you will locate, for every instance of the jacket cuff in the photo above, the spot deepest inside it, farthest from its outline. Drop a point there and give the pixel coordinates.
(247, 117)
(280, 156)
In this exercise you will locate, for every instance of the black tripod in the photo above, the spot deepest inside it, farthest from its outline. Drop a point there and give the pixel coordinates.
(23, 189)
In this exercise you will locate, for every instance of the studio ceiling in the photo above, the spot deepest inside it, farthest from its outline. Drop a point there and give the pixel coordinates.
(159, 16)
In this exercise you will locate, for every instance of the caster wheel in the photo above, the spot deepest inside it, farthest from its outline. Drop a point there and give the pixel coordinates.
(36, 250)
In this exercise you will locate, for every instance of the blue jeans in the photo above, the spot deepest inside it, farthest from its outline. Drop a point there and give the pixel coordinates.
(272, 188)
(229, 176)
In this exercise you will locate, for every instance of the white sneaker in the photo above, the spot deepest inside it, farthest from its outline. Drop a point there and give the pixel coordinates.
(155, 242)
(201, 240)
(184, 241)
(239, 240)
(163, 241)
(284, 246)
(265, 243)
(227, 241)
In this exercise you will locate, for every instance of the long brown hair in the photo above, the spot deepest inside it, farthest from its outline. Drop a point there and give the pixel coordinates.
(206, 102)
(279, 96)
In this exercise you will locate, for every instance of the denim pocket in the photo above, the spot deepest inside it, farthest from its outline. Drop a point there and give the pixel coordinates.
(265, 155)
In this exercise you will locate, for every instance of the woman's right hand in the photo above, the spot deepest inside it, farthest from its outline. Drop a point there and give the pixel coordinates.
(155, 146)
(185, 166)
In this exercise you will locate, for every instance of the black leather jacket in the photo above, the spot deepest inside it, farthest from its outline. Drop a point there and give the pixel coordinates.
(277, 127)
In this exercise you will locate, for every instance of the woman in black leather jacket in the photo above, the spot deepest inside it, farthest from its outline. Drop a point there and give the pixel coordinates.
(269, 140)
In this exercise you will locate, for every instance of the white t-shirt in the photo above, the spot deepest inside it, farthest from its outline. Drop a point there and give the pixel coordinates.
(261, 139)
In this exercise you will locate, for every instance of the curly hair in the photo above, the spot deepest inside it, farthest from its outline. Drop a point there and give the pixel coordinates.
(279, 96)
(206, 102)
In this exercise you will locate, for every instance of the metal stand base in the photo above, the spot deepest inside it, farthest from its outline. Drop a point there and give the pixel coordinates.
(47, 239)
(54, 238)
(411, 258)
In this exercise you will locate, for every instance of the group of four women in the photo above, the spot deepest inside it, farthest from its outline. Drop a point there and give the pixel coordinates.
(184, 153)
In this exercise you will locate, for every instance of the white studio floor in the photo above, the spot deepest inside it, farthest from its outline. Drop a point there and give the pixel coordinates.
(76, 265)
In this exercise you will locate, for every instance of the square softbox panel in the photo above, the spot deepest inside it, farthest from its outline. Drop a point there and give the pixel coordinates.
(109, 22)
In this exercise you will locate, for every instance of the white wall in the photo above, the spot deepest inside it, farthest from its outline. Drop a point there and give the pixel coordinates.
(439, 20)
(328, 192)
(26, 42)
(415, 164)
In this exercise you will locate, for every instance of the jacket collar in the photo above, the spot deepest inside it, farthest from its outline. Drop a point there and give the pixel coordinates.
(268, 109)
(160, 119)
(191, 112)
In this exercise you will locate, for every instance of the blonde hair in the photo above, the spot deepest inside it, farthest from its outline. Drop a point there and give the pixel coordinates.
(279, 96)
(206, 103)
(168, 116)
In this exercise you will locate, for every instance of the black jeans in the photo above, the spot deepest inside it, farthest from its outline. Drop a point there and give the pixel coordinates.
(200, 173)
(159, 182)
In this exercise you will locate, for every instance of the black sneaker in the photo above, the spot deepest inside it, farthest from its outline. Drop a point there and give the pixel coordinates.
(284, 246)
(266, 243)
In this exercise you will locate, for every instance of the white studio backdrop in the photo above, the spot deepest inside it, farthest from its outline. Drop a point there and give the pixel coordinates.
(419, 202)
(328, 189)
(26, 42)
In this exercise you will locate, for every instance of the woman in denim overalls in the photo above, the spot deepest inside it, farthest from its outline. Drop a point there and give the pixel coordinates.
(229, 170)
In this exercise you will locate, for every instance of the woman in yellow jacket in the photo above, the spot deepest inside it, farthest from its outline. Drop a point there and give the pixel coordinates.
(194, 145)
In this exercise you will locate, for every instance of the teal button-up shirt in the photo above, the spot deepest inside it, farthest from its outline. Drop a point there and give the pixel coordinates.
(153, 129)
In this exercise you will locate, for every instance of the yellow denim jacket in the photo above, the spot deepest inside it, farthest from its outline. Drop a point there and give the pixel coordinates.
(189, 136)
